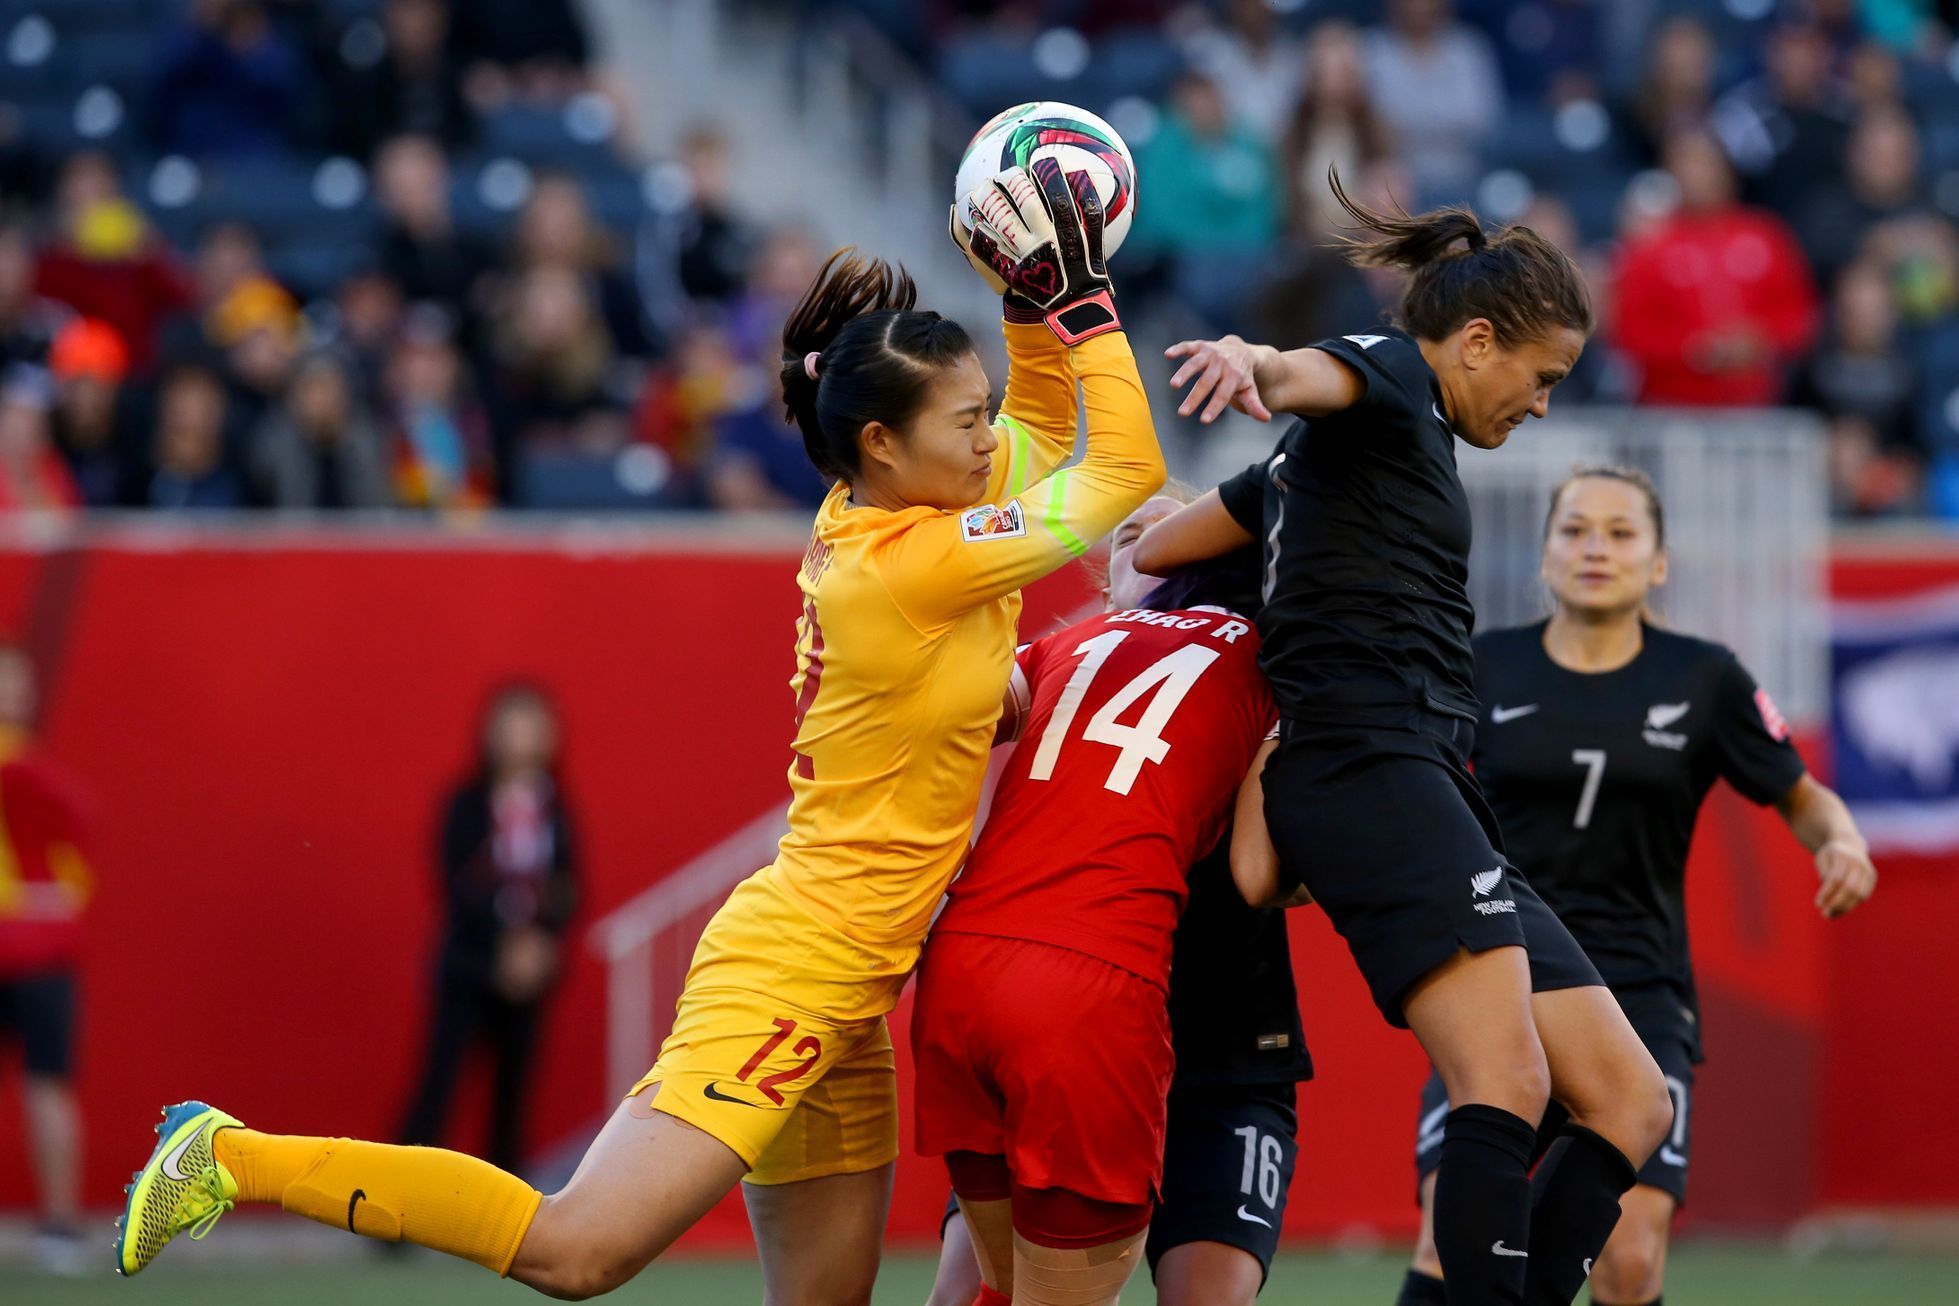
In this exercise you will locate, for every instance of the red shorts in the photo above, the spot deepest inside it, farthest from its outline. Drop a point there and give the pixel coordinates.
(1052, 1058)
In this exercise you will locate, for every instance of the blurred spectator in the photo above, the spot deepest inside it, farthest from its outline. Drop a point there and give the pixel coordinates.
(411, 86)
(1713, 300)
(1873, 78)
(553, 364)
(258, 327)
(1334, 126)
(32, 474)
(713, 245)
(228, 256)
(760, 463)
(1254, 63)
(556, 230)
(106, 263)
(1550, 49)
(421, 247)
(28, 322)
(227, 83)
(187, 449)
(1436, 83)
(320, 448)
(1880, 183)
(1676, 93)
(1920, 253)
(1785, 129)
(45, 882)
(509, 886)
(686, 393)
(367, 315)
(92, 426)
(439, 438)
(1214, 199)
(785, 266)
(1316, 292)
(1867, 385)
(535, 49)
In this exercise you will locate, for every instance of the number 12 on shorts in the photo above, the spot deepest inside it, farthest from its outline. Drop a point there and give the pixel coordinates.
(808, 1047)
(1263, 1155)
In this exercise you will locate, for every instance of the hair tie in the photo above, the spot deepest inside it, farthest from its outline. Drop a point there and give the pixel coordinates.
(809, 363)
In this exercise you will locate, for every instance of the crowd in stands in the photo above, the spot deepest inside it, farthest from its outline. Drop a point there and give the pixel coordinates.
(332, 254)
(1763, 191)
(368, 254)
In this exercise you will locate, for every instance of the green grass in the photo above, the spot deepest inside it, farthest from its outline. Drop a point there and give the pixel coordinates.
(1699, 1276)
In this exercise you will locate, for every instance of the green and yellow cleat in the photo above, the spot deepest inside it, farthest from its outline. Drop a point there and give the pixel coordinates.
(180, 1187)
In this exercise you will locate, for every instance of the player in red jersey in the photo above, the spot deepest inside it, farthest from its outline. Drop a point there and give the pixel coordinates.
(1040, 1031)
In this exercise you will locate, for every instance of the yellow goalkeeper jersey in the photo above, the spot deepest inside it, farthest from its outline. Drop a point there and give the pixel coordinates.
(907, 637)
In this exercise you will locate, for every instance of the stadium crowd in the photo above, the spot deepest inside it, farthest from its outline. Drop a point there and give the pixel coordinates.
(405, 253)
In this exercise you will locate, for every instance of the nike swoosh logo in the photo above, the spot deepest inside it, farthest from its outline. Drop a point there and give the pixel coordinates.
(170, 1169)
(360, 1195)
(1243, 1214)
(1672, 1157)
(1588, 1267)
(711, 1092)
(1499, 715)
(1501, 1250)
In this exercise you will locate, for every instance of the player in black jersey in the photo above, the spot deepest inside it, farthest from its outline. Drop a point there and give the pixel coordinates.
(1229, 1152)
(1600, 736)
(1369, 797)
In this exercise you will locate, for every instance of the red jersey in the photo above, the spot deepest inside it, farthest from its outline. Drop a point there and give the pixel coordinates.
(44, 881)
(1139, 728)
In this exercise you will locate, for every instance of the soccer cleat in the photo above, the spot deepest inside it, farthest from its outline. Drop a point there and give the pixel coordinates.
(180, 1187)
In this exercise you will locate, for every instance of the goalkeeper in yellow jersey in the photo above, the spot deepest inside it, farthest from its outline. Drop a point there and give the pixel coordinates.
(779, 1068)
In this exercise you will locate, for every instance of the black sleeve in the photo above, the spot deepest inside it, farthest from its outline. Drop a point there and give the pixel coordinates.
(1750, 738)
(1243, 497)
(1390, 366)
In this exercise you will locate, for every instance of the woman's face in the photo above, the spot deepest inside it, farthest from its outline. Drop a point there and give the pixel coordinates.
(523, 735)
(944, 457)
(1602, 555)
(1128, 587)
(1508, 383)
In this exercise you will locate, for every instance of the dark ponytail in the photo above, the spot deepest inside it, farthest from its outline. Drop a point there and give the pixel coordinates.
(1521, 282)
(876, 356)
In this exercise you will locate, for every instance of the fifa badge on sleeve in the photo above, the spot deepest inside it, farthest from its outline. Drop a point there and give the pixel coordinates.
(992, 522)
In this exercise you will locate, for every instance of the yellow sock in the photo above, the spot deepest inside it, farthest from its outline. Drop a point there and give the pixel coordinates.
(424, 1195)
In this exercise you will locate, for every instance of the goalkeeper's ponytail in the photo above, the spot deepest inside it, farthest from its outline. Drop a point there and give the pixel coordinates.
(855, 351)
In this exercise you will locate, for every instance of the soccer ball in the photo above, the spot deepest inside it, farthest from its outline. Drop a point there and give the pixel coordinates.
(1076, 138)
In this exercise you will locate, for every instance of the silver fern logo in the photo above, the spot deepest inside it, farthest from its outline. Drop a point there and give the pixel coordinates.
(1483, 881)
(1661, 715)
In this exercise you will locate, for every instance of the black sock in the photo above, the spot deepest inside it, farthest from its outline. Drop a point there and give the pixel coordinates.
(1418, 1289)
(1482, 1204)
(1576, 1206)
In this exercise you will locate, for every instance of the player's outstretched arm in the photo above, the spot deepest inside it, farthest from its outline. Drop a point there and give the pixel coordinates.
(1199, 530)
(1259, 380)
(1254, 859)
(1822, 823)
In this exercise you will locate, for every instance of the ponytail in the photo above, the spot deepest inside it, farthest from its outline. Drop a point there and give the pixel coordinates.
(1522, 283)
(856, 351)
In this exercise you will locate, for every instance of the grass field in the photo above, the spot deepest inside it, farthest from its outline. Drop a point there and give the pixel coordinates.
(1700, 1276)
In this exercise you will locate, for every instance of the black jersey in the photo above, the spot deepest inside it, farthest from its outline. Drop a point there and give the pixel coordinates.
(1596, 781)
(1366, 538)
(1234, 1010)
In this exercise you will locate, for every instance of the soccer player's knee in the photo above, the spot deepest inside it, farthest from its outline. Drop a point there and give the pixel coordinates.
(1057, 1217)
(1649, 1111)
(1630, 1267)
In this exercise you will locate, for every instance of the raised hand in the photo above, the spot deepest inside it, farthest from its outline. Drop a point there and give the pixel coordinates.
(1035, 235)
(1221, 374)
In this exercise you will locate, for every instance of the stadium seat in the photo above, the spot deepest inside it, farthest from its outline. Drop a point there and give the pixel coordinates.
(1938, 395)
(637, 477)
(539, 135)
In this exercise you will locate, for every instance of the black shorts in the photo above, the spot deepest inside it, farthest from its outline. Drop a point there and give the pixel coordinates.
(39, 1010)
(1227, 1165)
(1390, 833)
(1670, 1040)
